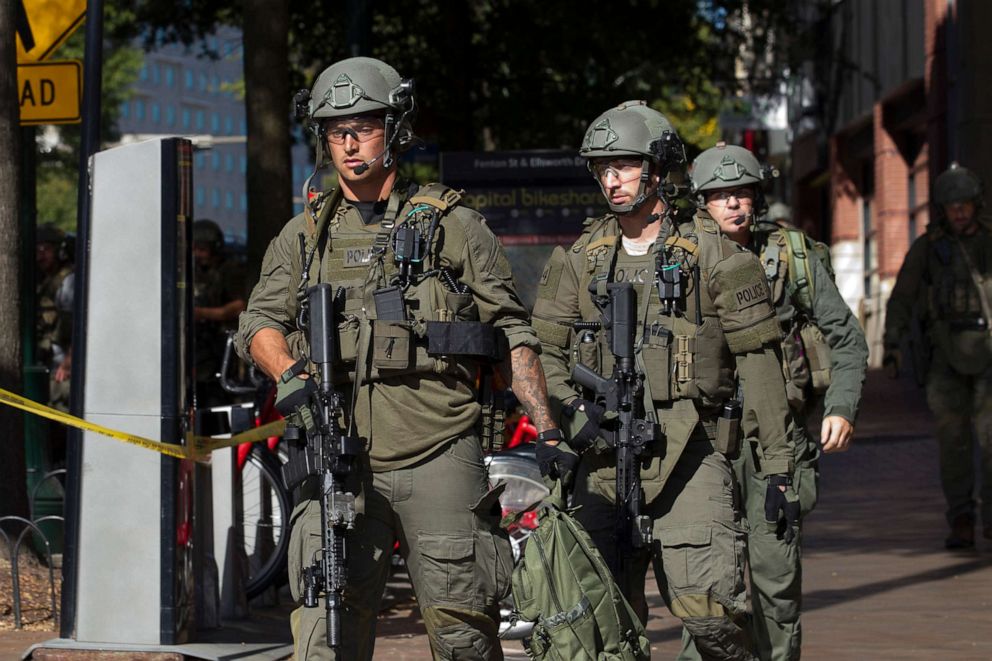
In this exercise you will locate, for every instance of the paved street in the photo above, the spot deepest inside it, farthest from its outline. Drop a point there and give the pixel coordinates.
(878, 583)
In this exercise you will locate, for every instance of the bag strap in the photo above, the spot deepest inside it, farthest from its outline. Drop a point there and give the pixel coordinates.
(800, 282)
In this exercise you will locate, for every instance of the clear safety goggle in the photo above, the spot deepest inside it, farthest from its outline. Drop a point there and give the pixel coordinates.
(623, 169)
(359, 130)
(723, 196)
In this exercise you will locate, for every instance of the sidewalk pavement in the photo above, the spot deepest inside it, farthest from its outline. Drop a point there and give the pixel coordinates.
(878, 583)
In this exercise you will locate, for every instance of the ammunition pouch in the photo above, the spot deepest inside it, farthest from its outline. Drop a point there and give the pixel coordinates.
(817, 352)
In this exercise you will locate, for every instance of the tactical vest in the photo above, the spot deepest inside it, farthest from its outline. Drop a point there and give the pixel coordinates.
(395, 317)
(784, 254)
(684, 353)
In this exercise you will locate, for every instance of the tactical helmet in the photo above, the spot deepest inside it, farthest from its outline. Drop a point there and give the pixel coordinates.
(209, 232)
(779, 211)
(49, 233)
(634, 129)
(727, 166)
(358, 86)
(957, 184)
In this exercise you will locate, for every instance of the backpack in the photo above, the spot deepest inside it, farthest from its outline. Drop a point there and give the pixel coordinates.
(798, 245)
(563, 585)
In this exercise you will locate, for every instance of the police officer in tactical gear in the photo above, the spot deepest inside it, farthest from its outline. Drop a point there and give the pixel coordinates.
(824, 354)
(943, 285)
(703, 311)
(54, 311)
(419, 282)
(219, 295)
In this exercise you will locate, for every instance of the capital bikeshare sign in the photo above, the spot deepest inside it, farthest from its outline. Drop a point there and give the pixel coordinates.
(528, 196)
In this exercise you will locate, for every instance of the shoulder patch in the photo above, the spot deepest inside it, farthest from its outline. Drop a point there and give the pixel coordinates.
(748, 295)
(547, 287)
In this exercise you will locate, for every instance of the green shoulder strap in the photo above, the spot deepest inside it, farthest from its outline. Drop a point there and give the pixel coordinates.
(800, 283)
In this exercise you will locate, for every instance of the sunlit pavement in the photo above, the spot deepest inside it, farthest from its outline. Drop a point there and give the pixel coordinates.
(878, 582)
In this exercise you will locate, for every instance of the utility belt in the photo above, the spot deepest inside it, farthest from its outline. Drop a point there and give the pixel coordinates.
(400, 347)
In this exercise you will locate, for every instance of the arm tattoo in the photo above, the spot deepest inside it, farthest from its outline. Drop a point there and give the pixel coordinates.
(528, 384)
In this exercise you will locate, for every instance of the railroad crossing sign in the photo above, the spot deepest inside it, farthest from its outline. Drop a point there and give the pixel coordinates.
(44, 25)
(49, 92)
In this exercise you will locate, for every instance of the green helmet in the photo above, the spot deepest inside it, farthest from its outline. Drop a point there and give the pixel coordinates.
(957, 184)
(357, 86)
(49, 233)
(725, 166)
(209, 232)
(634, 129)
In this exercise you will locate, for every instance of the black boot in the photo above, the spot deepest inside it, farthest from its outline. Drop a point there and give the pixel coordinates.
(962, 533)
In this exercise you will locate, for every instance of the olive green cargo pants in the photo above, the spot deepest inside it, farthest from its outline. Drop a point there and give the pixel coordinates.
(775, 567)
(962, 409)
(698, 549)
(459, 560)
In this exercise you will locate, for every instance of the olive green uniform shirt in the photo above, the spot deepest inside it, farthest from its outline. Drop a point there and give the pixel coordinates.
(409, 417)
(936, 281)
(831, 314)
(745, 321)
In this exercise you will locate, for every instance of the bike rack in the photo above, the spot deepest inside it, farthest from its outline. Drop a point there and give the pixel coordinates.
(31, 525)
(15, 551)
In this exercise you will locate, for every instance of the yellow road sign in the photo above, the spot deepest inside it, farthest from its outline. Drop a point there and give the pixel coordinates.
(49, 92)
(43, 25)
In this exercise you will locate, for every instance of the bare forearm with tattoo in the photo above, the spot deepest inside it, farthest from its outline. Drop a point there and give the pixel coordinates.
(526, 379)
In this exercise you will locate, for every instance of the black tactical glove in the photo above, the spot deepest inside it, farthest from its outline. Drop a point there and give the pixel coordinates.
(786, 502)
(293, 399)
(590, 416)
(557, 462)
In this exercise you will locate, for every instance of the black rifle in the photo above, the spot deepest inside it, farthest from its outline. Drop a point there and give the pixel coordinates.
(330, 455)
(622, 393)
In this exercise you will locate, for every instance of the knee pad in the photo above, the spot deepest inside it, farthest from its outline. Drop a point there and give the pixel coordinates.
(458, 634)
(718, 638)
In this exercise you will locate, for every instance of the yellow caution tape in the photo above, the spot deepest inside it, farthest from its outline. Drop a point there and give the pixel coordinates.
(197, 447)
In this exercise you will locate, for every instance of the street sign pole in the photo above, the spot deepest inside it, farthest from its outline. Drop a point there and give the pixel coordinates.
(92, 68)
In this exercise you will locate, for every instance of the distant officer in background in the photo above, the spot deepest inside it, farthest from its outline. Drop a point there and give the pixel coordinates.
(54, 291)
(824, 355)
(944, 291)
(219, 295)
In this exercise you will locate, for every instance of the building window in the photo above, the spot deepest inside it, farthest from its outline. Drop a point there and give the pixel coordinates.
(215, 198)
(228, 200)
(170, 76)
(143, 75)
(188, 76)
(156, 113)
(214, 123)
(215, 161)
(244, 202)
(199, 120)
(869, 243)
(125, 109)
(139, 109)
(244, 164)
(186, 118)
(156, 74)
(199, 160)
(202, 82)
(229, 162)
(228, 125)
(170, 116)
(200, 197)
(917, 198)
(244, 127)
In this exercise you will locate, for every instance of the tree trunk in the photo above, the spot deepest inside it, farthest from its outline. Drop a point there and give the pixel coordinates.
(267, 99)
(13, 489)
